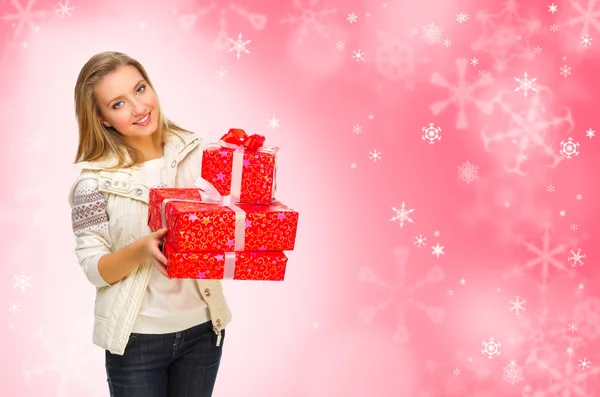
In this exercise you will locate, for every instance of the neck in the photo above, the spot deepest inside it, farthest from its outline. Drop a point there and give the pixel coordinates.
(147, 148)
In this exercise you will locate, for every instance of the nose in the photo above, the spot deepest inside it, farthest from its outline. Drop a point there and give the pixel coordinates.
(138, 108)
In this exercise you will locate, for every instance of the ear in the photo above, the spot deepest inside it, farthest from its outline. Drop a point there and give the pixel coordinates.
(106, 123)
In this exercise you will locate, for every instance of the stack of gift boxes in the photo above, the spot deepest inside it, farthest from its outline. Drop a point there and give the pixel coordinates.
(230, 226)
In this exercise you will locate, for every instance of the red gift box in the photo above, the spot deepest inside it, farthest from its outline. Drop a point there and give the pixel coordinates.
(196, 225)
(242, 166)
(226, 265)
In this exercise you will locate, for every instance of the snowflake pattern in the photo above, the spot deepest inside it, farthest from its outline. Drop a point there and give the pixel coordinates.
(461, 93)
(310, 19)
(527, 129)
(431, 33)
(468, 172)
(25, 16)
(525, 84)
(64, 9)
(22, 281)
(491, 348)
(569, 148)
(239, 46)
(576, 257)
(517, 305)
(512, 373)
(505, 35)
(225, 13)
(431, 133)
(402, 215)
(402, 294)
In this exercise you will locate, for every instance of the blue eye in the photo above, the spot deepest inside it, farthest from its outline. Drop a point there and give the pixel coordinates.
(138, 90)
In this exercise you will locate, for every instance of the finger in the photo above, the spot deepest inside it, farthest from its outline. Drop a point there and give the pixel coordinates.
(160, 257)
(159, 266)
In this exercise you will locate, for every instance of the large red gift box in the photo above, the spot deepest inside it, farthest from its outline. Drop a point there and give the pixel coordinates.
(226, 265)
(240, 165)
(205, 226)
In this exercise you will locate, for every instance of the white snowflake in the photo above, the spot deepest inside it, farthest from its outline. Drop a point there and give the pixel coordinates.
(572, 327)
(525, 84)
(431, 33)
(573, 227)
(310, 19)
(569, 148)
(576, 257)
(456, 371)
(437, 250)
(590, 133)
(512, 373)
(340, 46)
(468, 172)
(482, 73)
(436, 233)
(463, 281)
(402, 215)
(239, 46)
(431, 133)
(554, 28)
(562, 213)
(357, 129)
(450, 293)
(447, 43)
(579, 197)
(550, 188)
(14, 308)
(527, 389)
(222, 73)
(569, 350)
(352, 18)
(474, 61)
(537, 50)
(462, 17)
(584, 364)
(461, 93)
(22, 281)
(273, 122)
(64, 9)
(586, 41)
(353, 166)
(580, 287)
(565, 70)
(517, 305)
(491, 348)
(358, 55)
(420, 240)
(552, 8)
(374, 155)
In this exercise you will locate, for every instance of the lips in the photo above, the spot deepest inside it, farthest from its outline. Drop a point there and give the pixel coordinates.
(146, 116)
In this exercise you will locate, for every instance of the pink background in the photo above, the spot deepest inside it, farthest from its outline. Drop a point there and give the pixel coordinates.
(364, 311)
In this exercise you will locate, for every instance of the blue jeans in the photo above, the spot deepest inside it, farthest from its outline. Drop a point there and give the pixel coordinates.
(179, 364)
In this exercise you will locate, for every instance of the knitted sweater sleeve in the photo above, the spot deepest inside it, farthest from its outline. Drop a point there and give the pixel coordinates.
(89, 220)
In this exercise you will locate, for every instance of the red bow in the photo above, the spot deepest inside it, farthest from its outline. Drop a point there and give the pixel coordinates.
(237, 136)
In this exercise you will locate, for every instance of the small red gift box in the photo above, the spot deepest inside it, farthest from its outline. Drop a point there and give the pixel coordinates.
(226, 265)
(196, 225)
(242, 166)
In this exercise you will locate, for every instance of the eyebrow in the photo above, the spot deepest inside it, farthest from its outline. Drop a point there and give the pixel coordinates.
(138, 83)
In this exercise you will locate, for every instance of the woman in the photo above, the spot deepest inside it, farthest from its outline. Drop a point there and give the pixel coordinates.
(162, 337)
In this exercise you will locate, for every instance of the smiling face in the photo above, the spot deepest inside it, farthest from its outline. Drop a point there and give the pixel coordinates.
(124, 98)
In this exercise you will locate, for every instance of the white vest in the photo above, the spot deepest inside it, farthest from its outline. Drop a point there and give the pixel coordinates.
(126, 197)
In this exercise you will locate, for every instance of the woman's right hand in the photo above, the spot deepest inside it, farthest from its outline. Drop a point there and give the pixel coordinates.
(150, 248)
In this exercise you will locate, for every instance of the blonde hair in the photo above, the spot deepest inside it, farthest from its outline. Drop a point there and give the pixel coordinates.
(96, 141)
